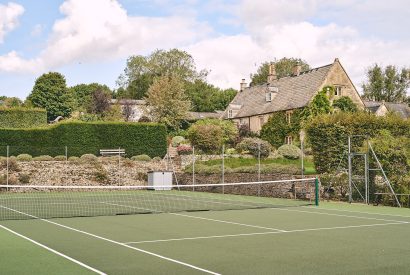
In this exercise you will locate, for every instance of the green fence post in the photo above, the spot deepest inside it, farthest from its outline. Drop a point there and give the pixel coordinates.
(317, 191)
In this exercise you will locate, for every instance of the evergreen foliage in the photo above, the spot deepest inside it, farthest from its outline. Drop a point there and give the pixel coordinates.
(22, 117)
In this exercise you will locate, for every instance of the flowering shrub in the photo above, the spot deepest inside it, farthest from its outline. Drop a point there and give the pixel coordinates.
(184, 149)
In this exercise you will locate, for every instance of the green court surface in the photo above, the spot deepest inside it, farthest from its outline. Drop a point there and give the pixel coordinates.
(334, 238)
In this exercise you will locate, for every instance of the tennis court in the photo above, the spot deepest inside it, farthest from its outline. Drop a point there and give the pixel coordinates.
(237, 236)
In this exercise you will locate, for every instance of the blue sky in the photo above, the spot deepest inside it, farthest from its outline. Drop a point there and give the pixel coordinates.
(89, 41)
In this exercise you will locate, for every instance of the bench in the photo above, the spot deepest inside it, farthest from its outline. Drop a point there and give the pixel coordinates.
(112, 152)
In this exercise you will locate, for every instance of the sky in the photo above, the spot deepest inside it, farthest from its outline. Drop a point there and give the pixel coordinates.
(90, 40)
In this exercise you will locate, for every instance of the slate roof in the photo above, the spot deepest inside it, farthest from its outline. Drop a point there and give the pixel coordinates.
(402, 109)
(293, 92)
(203, 115)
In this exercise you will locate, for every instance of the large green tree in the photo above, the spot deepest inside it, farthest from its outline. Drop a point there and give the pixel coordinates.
(206, 97)
(82, 94)
(50, 92)
(167, 102)
(386, 84)
(141, 71)
(283, 68)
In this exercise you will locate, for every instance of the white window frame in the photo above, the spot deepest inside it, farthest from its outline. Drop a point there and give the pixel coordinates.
(338, 90)
(288, 116)
(230, 113)
(268, 97)
(288, 140)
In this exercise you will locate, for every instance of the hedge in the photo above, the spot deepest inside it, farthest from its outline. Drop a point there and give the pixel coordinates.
(328, 134)
(20, 117)
(86, 138)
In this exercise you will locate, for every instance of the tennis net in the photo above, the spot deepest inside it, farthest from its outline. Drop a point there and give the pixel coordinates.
(45, 202)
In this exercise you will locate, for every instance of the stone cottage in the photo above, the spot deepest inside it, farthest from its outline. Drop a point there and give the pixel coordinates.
(383, 108)
(253, 105)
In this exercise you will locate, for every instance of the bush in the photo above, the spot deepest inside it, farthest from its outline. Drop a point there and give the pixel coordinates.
(157, 159)
(12, 163)
(328, 134)
(345, 104)
(101, 175)
(231, 151)
(89, 158)
(289, 151)
(184, 149)
(144, 119)
(87, 138)
(229, 129)
(251, 145)
(177, 140)
(24, 178)
(60, 158)
(12, 179)
(43, 158)
(20, 117)
(208, 138)
(141, 158)
(74, 159)
(24, 157)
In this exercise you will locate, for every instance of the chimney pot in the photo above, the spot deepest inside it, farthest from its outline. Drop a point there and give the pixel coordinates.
(272, 73)
(242, 85)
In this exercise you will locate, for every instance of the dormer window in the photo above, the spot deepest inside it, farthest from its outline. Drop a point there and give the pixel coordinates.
(268, 96)
(338, 90)
(230, 114)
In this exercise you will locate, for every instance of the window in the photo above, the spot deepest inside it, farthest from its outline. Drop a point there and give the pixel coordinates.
(230, 115)
(288, 116)
(268, 97)
(338, 91)
(242, 121)
(288, 140)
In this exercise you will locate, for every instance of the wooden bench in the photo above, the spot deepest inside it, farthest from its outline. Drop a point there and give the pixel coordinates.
(112, 152)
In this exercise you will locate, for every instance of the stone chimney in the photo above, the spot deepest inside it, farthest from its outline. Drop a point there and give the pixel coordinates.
(272, 73)
(296, 70)
(243, 85)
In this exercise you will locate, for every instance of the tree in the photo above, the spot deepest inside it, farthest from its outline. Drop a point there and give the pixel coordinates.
(50, 92)
(167, 102)
(141, 71)
(208, 98)
(345, 104)
(82, 94)
(283, 68)
(100, 103)
(128, 110)
(388, 84)
(11, 102)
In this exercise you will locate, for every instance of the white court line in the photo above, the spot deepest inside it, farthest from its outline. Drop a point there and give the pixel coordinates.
(201, 218)
(53, 251)
(115, 242)
(268, 233)
(359, 212)
(337, 215)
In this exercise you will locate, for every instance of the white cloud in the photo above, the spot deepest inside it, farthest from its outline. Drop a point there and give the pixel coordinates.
(9, 15)
(37, 30)
(108, 34)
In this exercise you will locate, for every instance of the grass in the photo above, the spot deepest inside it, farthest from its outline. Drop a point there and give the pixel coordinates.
(249, 162)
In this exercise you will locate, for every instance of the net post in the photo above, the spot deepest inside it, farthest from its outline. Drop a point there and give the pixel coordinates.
(223, 167)
(317, 191)
(7, 164)
(193, 168)
(119, 165)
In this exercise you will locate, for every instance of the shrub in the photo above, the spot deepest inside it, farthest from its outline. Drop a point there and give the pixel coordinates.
(289, 151)
(177, 140)
(12, 179)
(144, 119)
(12, 163)
(127, 163)
(21, 117)
(251, 145)
(43, 158)
(74, 159)
(345, 104)
(229, 129)
(157, 159)
(89, 158)
(184, 149)
(101, 175)
(60, 158)
(208, 138)
(231, 151)
(24, 178)
(141, 158)
(87, 138)
(24, 157)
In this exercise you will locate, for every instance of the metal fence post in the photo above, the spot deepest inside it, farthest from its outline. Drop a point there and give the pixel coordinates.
(223, 168)
(317, 191)
(119, 165)
(66, 155)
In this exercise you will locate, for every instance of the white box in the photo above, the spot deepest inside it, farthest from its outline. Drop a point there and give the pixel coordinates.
(160, 180)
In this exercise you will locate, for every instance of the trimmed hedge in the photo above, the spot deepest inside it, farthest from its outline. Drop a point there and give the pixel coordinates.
(328, 134)
(86, 138)
(20, 117)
